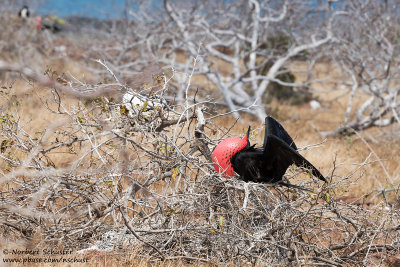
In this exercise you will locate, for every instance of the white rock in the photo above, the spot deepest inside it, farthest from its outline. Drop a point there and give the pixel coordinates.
(314, 104)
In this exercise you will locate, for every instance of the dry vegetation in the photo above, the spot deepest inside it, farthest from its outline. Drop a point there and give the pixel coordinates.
(135, 187)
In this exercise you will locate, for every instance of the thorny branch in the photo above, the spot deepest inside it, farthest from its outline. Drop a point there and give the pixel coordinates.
(136, 186)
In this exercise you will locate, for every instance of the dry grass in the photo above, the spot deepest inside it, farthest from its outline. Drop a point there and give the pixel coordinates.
(49, 205)
(301, 122)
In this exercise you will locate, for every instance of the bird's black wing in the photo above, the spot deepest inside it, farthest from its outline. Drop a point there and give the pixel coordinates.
(281, 155)
(274, 128)
(248, 164)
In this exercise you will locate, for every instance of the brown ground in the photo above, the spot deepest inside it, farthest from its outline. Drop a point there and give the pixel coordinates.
(377, 147)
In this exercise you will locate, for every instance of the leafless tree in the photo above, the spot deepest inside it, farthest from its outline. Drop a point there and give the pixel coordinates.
(242, 48)
(366, 46)
(255, 40)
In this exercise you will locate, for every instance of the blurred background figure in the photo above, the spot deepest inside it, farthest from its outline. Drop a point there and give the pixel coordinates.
(51, 22)
(48, 22)
(24, 12)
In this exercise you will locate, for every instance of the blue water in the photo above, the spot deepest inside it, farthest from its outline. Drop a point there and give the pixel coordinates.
(101, 9)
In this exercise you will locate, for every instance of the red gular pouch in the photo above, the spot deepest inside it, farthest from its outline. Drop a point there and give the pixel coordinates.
(225, 151)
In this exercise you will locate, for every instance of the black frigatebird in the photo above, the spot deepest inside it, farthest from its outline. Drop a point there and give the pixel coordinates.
(24, 12)
(267, 164)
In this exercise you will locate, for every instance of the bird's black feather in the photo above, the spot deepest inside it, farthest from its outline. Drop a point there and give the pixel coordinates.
(269, 163)
(272, 127)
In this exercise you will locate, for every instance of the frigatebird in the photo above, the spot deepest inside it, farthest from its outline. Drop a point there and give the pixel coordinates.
(267, 164)
(24, 12)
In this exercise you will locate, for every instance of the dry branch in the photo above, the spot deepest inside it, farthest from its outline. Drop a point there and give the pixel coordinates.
(52, 83)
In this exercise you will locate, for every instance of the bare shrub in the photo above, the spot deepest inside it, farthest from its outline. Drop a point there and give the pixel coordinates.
(123, 163)
(366, 50)
(141, 178)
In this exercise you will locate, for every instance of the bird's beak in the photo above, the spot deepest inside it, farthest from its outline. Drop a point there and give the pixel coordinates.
(247, 136)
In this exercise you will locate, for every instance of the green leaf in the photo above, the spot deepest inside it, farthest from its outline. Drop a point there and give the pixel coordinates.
(123, 110)
(175, 172)
(80, 119)
(4, 145)
(221, 222)
(144, 108)
(169, 212)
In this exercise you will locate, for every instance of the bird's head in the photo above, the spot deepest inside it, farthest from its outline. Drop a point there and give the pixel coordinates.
(224, 152)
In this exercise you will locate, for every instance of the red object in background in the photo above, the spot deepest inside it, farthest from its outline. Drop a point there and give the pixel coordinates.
(38, 23)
